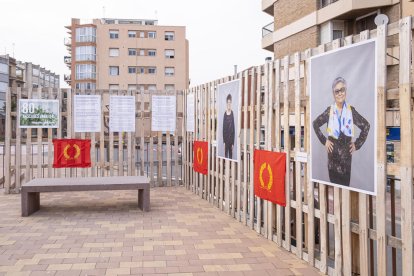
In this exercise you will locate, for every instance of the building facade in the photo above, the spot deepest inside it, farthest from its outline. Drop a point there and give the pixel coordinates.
(127, 54)
(298, 25)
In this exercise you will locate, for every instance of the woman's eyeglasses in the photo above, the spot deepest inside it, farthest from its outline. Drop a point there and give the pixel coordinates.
(340, 90)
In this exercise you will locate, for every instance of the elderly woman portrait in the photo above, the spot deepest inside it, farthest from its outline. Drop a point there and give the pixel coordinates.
(340, 120)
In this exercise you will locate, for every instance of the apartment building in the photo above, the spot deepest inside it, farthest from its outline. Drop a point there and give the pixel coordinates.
(127, 54)
(298, 25)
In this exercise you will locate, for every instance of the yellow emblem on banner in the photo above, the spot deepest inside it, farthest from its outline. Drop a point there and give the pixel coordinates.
(200, 156)
(270, 182)
(66, 154)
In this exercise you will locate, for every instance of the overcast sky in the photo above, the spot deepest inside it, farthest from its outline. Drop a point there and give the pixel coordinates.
(221, 33)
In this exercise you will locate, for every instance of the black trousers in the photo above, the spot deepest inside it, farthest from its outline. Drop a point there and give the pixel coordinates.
(342, 179)
(228, 152)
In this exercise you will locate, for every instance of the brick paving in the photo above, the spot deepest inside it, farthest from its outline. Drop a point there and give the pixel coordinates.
(100, 233)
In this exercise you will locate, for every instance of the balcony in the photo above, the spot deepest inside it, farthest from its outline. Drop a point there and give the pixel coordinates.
(67, 78)
(267, 37)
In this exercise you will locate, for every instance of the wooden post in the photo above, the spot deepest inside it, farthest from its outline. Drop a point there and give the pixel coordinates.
(406, 159)
(286, 149)
(7, 138)
(252, 109)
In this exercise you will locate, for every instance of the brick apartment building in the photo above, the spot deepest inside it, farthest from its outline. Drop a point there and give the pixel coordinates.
(298, 25)
(127, 54)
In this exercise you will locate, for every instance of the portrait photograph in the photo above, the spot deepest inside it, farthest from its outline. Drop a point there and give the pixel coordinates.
(228, 108)
(343, 108)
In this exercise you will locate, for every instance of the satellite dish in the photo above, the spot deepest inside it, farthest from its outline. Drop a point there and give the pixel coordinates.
(381, 19)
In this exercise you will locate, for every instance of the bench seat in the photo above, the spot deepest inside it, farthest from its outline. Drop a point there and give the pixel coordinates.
(30, 194)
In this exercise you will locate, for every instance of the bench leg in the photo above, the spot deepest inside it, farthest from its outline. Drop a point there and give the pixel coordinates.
(30, 203)
(144, 199)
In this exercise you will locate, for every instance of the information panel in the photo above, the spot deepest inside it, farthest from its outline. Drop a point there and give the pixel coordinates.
(87, 113)
(122, 114)
(190, 112)
(163, 113)
(37, 113)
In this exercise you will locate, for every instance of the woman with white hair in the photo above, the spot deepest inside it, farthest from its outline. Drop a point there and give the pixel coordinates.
(341, 119)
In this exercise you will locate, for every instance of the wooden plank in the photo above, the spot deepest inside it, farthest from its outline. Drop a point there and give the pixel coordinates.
(299, 217)
(209, 139)
(252, 93)
(151, 145)
(279, 209)
(59, 130)
(70, 119)
(337, 211)
(39, 144)
(18, 149)
(310, 185)
(49, 142)
(120, 148)
(111, 150)
(176, 134)
(131, 144)
(82, 136)
(270, 218)
(258, 134)
(323, 236)
(142, 131)
(102, 140)
(286, 149)
(364, 255)
(28, 172)
(406, 158)
(7, 143)
(243, 185)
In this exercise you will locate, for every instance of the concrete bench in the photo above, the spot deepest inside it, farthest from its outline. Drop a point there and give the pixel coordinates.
(31, 190)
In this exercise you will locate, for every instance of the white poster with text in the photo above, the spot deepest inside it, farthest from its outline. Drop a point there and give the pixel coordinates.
(163, 113)
(190, 112)
(122, 114)
(87, 113)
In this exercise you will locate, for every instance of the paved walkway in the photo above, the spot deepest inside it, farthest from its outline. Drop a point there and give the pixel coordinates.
(104, 233)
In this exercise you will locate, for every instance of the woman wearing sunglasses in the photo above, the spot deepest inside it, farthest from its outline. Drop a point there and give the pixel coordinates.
(341, 119)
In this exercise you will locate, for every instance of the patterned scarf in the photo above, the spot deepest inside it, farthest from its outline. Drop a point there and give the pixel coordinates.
(343, 122)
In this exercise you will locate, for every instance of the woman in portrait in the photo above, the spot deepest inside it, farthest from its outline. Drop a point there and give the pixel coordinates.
(341, 119)
(228, 129)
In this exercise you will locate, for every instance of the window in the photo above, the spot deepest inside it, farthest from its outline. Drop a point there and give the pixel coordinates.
(152, 53)
(114, 87)
(152, 87)
(142, 34)
(35, 72)
(142, 52)
(169, 71)
(132, 69)
(132, 34)
(331, 30)
(152, 35)
(86, 34)
(4, 68)
(169, 53)
(132, 87)
(84, 53)
(169, 36)
(113, 34)
(366, 22)
(3, 86)
(169, 87)
(132, 52)
(114, 70)
(141, 70)
(85, 85)
(85, 71)
(152, 70)
(114, 52)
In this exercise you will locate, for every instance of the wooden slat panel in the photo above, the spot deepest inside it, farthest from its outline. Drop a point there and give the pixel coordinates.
(49, 142)
(7, 143)
(286, 149)
(269, 144)
(323, 267)
(252, 113)
(39, 144)
(18, 153)
(279, 209)
(258, 204)
(243, 185)
(299, 234)
(406, 158)
(59, 130)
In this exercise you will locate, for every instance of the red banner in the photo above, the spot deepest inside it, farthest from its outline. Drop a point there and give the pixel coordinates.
(72, 153)
(200, 150)
(269, 176)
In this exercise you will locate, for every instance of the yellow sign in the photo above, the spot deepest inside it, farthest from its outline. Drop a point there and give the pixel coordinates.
(270, 182)
(200, 156)
(66, 154)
